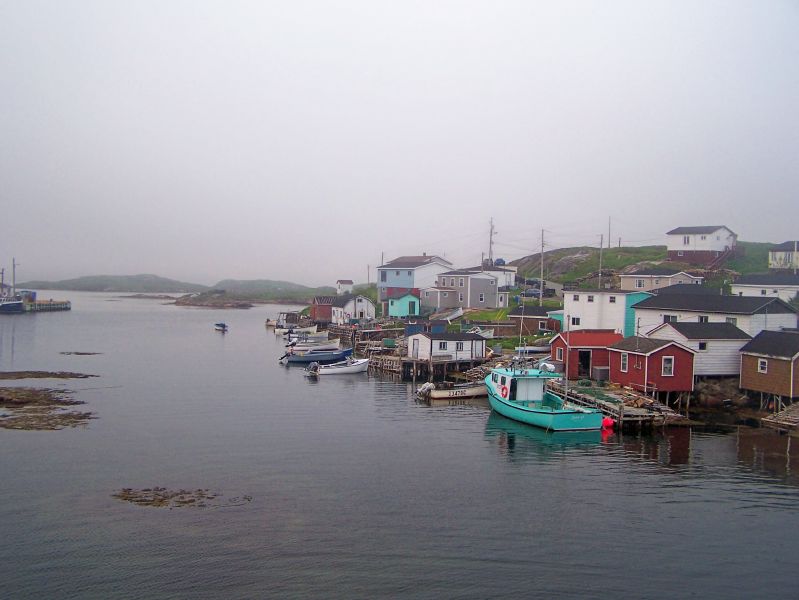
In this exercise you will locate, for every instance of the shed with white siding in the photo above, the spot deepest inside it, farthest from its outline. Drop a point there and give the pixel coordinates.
(446, 346)
(716, 346)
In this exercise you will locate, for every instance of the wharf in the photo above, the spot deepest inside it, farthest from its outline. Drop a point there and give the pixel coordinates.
(47, 305)
(412, 369)
(786, 420)
(626, 407)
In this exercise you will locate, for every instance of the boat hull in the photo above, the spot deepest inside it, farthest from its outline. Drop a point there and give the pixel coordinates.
(356, 366)
(540, 415)
(320, 357)
(471, 391)
(11, 307)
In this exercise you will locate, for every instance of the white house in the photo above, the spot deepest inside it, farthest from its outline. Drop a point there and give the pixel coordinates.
(750, 315)
(699, 245)
(784, 286)
(601, 309)
(446, 346)
(344, 286)
(351, 306)
(505, 274)
(645, 280)
(784, 256)
(716, 346)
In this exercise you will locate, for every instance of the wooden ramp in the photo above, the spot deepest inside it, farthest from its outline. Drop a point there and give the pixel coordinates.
(785, 420)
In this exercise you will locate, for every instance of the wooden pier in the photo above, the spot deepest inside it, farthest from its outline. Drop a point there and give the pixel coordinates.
(410, 369)
(47, 305)
(627, 407)
(786, 420)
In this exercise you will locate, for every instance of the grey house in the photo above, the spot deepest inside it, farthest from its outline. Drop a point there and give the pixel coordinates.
(465, 289)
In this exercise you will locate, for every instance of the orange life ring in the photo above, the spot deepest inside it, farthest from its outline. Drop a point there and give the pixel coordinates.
(504, 391)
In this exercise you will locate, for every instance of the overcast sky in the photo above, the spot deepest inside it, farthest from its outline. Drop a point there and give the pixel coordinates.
(301, 140)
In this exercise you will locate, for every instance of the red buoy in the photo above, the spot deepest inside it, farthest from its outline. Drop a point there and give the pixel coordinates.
(608, 423)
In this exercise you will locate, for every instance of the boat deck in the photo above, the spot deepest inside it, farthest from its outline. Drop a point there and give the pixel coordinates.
(626, 407)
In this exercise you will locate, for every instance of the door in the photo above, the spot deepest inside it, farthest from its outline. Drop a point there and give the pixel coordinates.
(415, 351)
(411, 308)
(583, 363)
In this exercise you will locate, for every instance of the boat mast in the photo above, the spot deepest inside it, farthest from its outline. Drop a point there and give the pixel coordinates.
(13, 277)
(566, 363)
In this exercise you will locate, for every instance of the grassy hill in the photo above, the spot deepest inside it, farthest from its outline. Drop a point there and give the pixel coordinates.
(572, 264)
(117, 283)
(267, 289)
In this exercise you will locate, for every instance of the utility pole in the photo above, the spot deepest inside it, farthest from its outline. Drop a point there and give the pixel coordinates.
(795, 257)
(601, 245)
(491, 241)
(608, 233)
(367, 275)
(541, 279)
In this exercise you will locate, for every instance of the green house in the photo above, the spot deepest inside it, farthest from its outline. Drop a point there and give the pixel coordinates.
(405, 305)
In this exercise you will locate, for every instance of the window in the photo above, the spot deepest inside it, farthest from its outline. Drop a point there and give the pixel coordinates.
(542, 325)
(494, 377)
(762, 292)
(396, 273)
(392, 303)
(774, 291)
(458, 346)
(702, 346)
(590, 298)
(703, 319)
(679, 253)
(460, 282)
(445, 294)
(639, 283)
(612, 299)
(410, 273)
(762, 365)
(704, 237)
(411, 308)
(576, 297)
(382, 275)
(442, 345)
(668, 366)
(657, 282)
(502, 380)
(482, 297)
(559, 354)
(575, 320)
(669, 318)
(624, 360)
(732, 321)
(427, 294)
(451, 282)
(460, 297)
(686, 240)
(491, 282)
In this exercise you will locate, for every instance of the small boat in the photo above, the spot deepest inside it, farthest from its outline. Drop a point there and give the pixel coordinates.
(291, 329)
(486, 333)
(444, 390)
(221, 327)
(306, 347)
(520, 393)
(306, 337)
(351, 365)
(320, 356)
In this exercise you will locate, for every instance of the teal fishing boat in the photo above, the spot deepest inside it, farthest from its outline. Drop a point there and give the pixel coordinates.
(520, 393)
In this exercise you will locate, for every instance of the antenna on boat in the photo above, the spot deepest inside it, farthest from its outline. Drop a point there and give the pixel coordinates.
(566, 362)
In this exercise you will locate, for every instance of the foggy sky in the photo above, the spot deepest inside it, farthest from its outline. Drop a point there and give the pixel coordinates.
(300, 140)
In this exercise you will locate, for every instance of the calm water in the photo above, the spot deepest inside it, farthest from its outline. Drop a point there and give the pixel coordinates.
(358, 491)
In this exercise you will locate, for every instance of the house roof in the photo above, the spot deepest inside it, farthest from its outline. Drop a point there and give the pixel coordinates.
(325, 300)
(590, 338)
(439, 289)
(400, 294)
(768, 279)
(643, 345)
(529, 311)
(700, 229)
(347, 281)
(609, 292)
(452, 337)
(494, 268)
(741, 305)
(784, 344)
(662, 271)
(465, 273)
(411, 262)
(341, 301)
(706, 331)
(784, 247)
(687, 288)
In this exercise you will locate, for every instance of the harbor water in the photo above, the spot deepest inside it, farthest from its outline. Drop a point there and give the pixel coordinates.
(353, 488)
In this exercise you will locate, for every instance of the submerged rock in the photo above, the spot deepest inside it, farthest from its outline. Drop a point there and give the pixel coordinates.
(160, 497)
(38, 409)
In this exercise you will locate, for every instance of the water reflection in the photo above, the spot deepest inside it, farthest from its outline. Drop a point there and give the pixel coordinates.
(517, 440)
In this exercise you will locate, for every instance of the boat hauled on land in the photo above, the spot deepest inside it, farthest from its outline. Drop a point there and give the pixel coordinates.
(519, 393)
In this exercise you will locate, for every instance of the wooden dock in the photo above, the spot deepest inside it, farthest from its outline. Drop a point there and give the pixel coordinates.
(48, 305)
(410, 369)
(626, 407)
(786, 420)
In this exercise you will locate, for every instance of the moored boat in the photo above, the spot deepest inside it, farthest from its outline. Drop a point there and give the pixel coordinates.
(299, 348)
(442, 391)
(351, 365)
(292, 329)
(10, 305)
(320, 356)
(520, 393)
(221, 327)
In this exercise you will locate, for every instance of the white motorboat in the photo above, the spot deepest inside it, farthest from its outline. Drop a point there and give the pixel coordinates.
(352, 365)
